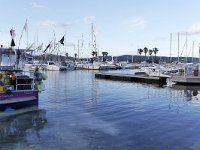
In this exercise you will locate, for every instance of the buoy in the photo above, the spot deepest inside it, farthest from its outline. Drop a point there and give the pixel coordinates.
(13, 77)
(44, 76)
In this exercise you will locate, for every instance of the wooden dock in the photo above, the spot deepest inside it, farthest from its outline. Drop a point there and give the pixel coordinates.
(132, 78)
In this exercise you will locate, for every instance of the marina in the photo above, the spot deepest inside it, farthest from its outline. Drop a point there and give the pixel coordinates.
(99, 75)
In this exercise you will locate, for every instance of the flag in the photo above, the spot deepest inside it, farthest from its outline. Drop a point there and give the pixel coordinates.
(40, 47)
(48, 46)
(25, 26)
(12, 43)
(62, 40)
(30, 46)
(12, 33)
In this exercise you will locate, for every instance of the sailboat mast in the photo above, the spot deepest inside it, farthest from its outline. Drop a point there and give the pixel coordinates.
(178, 47)
(92, 32)
(199, 52)
(170, 47)
(186, 48)
(78, 50)
(193, 52)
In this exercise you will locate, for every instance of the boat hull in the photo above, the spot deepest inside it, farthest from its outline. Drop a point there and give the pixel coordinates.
(18, 99)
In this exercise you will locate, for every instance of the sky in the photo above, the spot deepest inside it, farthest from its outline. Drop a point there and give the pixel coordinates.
(121, 27)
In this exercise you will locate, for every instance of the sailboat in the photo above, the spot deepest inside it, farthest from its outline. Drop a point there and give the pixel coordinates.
(94, 63)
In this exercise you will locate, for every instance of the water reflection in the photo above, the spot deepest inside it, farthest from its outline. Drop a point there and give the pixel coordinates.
(14, 125)
(190, 92)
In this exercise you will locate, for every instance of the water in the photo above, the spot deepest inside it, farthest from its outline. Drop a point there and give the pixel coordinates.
(79, 112)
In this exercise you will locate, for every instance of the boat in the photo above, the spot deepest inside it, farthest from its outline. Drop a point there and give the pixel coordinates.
(61, 66)
(18, 88)
(67, 65)
(95, 66)
(151, 71)
(188, 76)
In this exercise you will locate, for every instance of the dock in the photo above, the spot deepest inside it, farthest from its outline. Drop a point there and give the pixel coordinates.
(132, 78)
(186, 80)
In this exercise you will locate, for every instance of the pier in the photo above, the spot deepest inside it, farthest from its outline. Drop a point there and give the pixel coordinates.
(132, 78)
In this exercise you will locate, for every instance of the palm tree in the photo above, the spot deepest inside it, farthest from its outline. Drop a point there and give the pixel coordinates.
(145, 51)
(140, 52)
(75, 55)
(66, 55)
(155, 51)
(150, 53)
(104, 54)
(94, 53)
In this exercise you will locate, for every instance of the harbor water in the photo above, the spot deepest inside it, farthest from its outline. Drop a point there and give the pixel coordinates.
(79, 112)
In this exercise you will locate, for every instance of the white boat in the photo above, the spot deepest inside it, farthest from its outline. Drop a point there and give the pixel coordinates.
(112, 65)
(34, 64)
(52, 66)
(190, 75)
(154, 71)
(67, 65)
(95, 66)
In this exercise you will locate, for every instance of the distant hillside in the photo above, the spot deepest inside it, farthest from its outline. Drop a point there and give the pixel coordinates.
(127, 58)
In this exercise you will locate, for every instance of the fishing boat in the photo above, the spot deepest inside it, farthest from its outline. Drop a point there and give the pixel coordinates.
(18, 88)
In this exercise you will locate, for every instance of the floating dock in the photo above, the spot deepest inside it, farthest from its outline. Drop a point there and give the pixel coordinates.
(132, 78)
(186, 80)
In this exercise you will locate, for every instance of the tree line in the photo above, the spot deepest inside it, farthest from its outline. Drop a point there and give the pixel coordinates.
(146, 51)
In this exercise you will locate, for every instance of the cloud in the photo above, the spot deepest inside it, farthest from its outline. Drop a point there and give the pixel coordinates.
(52, 23)
(36, 5)
(136, 23)
(193, 29)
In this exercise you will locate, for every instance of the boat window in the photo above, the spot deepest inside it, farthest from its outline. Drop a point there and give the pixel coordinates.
(51, 63)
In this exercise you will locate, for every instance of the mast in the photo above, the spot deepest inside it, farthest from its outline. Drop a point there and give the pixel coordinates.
(193, 52)
(92, 32)
(78, 50)
(178, 47)
(81, 46)
(26, 33)
(186, 49)
(170, 47)
(95, 47)
(199, 52)
(65, 44)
